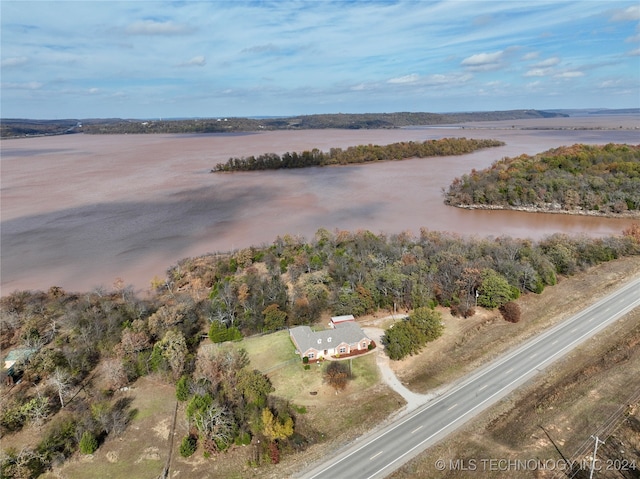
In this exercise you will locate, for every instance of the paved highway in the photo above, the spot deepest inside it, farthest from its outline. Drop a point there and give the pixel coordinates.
(377, 455)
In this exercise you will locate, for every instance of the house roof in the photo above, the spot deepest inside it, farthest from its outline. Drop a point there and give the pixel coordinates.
(340, 319)
(16, 355)
(305, 338)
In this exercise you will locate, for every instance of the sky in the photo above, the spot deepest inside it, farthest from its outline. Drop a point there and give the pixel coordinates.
(144, 59)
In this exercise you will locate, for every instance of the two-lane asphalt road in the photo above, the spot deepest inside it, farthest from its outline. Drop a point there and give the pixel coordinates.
(378, 455)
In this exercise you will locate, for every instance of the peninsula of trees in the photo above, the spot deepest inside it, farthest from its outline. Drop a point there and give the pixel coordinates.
(357, 154)
(578, 179)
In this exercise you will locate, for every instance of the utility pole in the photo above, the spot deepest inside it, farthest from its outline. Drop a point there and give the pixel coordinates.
(595, 450)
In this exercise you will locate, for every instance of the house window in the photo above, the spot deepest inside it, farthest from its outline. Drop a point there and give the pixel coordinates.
(311, 355)
(343, 350)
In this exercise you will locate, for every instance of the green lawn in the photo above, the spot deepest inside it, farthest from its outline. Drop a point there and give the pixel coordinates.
(275, 355)
(270, 350)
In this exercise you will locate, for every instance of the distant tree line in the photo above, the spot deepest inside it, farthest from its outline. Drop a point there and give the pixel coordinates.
(357, 154)
(579, 178)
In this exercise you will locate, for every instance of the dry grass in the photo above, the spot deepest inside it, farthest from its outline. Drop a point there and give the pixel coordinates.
(141, 451)
(472, 342)
(570, 400)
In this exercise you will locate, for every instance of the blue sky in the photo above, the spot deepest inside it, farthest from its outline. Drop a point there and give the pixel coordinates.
(143, 59)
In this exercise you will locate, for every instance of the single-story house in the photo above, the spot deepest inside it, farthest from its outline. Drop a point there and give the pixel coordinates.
(346, 339)
(335, 320)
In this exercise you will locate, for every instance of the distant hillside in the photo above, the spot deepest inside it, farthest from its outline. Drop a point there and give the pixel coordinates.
(24, 127)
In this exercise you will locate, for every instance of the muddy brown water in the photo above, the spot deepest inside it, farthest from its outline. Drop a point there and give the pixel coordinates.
(79, 211)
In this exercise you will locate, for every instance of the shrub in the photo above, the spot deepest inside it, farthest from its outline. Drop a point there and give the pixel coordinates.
(510, 312)
(305, 360)
(243, 439)
(88, 443)
(408, 337)
(219, 333)
(188, 445)
(182, 388)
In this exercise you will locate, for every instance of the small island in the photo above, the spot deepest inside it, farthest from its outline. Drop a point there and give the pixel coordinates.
(578, 179)
(357, 154)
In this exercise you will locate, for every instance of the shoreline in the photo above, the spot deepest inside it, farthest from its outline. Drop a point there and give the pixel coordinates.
(550, 209)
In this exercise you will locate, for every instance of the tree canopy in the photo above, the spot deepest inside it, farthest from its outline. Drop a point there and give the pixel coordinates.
(409, 336)
(357, 154)
(580, 178)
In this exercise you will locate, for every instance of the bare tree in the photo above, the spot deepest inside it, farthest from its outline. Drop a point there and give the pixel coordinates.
(114, 372)
(216, 423)
(61, 381)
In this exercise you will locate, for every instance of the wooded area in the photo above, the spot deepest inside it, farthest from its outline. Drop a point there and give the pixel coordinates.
(118, 337)
(580, 178)
(357, 154)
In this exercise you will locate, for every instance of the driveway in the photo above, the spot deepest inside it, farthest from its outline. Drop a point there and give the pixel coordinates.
(413, 400)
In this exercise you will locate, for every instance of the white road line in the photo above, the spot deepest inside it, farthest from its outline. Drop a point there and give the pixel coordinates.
(483, 387)
(554, 342)
(508, 371)
(450, 408)
(533, 355)
(416, 429)
(632, 286)
(375, 455)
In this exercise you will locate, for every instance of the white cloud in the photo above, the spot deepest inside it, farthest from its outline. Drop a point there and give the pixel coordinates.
(93, 91)
(151, 27)
(268, 48)
(484, 61)
(609, 84)
(531, 56)
(570, 74)
(14, 62)
(538, 72)
(197, 61)
(32, 85)
(451, 79)
(549, 62)
(634, 53)
(412, 78)
(628, 14)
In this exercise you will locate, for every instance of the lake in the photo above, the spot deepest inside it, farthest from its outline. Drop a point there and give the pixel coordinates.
(79, 210)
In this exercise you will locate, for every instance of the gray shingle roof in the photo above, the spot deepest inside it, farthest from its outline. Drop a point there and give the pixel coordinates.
(305, 338)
